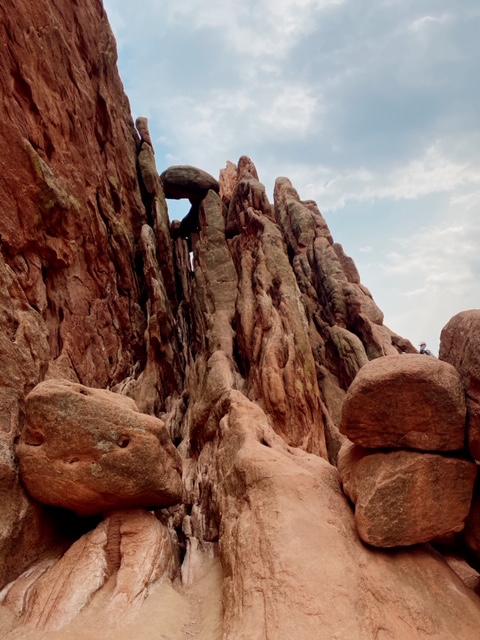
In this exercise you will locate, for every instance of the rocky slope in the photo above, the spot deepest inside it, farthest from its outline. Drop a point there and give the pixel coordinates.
(222, 347)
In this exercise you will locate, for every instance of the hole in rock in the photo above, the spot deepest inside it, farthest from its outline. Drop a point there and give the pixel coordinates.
(264, 442)
(73, 460)
(84, 392)
(178, 209)
(34, 438)
(68, 526)
(124, 442)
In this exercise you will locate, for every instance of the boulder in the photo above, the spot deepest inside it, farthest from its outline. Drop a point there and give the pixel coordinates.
(406, 401)
(184, 181)
(91, 451)
(460, 346)
(472, 524)
(405, 497)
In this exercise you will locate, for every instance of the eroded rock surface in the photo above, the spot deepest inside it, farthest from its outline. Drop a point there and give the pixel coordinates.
(460, 346)
(407, 401)
(241, 327)
(406, 497)
(117, 562)
(90, 451)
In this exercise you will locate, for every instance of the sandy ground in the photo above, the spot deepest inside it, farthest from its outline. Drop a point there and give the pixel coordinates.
(169, 613)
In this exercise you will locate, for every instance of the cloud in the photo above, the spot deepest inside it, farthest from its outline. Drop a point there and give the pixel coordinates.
(433, 172)
(426, 21)
(369, 108)
(253, 28)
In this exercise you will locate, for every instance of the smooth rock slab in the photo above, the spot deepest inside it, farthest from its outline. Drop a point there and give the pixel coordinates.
(118, 561)
(460, 346)
(406, 401)
(90, 450)
(405, 497)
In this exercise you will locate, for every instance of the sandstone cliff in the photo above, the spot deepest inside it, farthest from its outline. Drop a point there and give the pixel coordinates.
(172, 393)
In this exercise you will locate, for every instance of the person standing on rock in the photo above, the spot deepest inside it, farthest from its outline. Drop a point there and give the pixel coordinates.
(424, 350)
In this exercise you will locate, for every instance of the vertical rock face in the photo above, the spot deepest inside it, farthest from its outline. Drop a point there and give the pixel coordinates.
(241, 328)
(71, 213)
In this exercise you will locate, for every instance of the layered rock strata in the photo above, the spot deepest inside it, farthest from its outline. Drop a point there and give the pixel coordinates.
(116, 564)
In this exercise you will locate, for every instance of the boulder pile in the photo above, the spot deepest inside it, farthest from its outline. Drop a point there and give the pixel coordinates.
(404, 465)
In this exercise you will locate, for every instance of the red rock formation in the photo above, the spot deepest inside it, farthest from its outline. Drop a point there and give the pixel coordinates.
(91, 451)
(245, 354)
(406, 401)
(132, 549)
(406, 497)
(460, 346)
(71, 213)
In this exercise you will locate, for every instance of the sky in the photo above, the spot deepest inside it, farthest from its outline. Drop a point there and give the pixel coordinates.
(370, 107)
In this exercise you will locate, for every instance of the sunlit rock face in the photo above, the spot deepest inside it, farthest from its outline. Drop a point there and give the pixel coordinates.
(236, 333)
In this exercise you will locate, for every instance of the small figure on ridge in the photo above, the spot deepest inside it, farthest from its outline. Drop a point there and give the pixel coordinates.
(424, 350)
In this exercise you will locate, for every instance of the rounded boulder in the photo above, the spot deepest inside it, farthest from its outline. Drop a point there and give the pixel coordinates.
(406, 401)
(91, 451)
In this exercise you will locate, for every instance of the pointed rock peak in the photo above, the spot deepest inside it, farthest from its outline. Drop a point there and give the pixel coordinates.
(245, 165)
(142, 127)
(228, 181)
(233, 174)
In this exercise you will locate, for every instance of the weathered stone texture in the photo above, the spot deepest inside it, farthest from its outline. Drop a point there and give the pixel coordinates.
(130, 549)
(91, 451)
(242, 327)
(460, 346)
(408, 401)
(406, 497)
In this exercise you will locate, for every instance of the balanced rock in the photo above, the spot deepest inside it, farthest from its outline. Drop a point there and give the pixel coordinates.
(184, 181)
(460, 346)
(405, 497)
(91, 451)
(406, 401)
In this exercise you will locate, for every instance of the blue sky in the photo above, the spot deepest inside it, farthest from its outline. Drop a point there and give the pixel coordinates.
(371, 108)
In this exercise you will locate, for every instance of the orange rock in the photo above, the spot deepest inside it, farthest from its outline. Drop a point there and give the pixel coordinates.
(91, 451)
(472, 524)
(294, 565)
(406, 401)
(130, 546)
(405, 497)
(460, 346)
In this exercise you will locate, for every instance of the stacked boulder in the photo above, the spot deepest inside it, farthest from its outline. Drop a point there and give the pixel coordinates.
(91, 451)
(460, 346)
(404, 465)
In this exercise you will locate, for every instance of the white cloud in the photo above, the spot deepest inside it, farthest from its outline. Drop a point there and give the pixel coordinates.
(365, 107)
(432, 172)
(253, 28)
(228, 124)
(424, 22)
